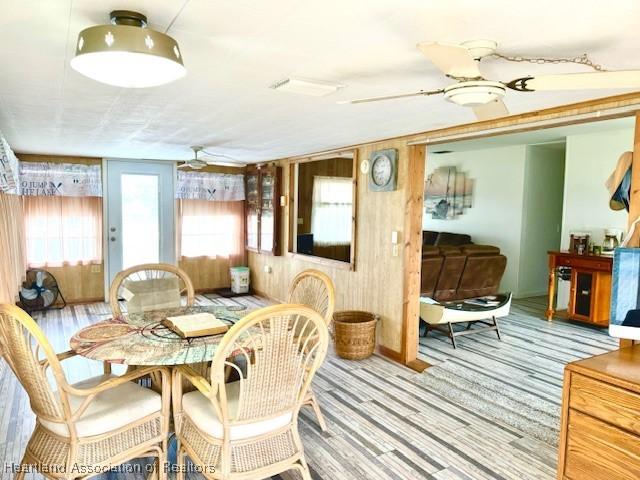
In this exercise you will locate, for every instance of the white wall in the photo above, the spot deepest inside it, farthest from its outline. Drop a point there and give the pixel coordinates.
(590, 159)
(542, 216)
(496, 215)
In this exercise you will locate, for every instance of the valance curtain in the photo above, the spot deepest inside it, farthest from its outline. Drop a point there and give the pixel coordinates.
(45, 179)
(8, 169)
(215, 187)
(332, 210)
(211, 229)
(63, 230)
(12, 241)
(12, 252)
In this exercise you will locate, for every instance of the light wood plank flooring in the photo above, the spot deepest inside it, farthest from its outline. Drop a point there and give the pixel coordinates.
(488, 410)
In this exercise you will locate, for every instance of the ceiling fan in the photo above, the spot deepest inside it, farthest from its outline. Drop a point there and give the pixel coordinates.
(198, 163)
(461, 63)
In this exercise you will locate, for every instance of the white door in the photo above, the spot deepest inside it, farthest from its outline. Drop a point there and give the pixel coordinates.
(140, 214)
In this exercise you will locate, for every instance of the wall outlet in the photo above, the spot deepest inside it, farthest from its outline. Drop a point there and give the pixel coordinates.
(396, 250)
(96, 268)
(267, 269)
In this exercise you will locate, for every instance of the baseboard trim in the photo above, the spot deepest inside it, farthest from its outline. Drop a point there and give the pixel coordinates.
(389, 353)
(418, 365)
(260, 293)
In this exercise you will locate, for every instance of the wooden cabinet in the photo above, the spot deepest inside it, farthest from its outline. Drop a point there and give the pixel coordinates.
(600, 432)
(590, 290)
(263, 186)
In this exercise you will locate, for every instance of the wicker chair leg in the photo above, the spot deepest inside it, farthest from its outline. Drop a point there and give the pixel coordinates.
(163, 461)
(303, 468)
(316, 408)
(180, 462)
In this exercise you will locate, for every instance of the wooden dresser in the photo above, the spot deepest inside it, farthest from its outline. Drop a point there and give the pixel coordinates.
(590, 291)
(600, 431)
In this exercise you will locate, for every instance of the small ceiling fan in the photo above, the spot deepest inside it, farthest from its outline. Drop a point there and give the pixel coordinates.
(461, 63)
(198, 163)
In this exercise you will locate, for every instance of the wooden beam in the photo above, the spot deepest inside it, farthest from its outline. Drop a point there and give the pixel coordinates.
(634, 199)
(604, 104)
(414, 201)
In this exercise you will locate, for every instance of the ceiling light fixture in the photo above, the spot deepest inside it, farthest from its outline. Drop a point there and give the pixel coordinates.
(127, 53)
(472, 93)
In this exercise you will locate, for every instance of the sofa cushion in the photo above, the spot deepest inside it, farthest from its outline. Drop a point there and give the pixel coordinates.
(430, 251)
(429, 237)
(479, 250)
(109, 410)
(449, 250)
(482, 275)
(201, 412)
(446, 238)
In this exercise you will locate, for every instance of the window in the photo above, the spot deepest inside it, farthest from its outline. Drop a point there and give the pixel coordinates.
(332, 210)
(211, 229)
(63, 230)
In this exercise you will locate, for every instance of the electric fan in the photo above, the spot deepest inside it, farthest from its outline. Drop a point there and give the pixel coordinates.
(40, 291)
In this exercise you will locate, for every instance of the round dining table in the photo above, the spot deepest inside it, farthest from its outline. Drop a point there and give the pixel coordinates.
(142, 339)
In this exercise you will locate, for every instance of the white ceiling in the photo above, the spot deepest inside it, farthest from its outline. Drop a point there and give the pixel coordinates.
(235, 49)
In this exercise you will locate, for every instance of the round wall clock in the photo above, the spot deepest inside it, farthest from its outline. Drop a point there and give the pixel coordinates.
(383, 173)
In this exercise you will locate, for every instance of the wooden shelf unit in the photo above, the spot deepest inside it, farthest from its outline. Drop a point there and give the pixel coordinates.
(262, 209)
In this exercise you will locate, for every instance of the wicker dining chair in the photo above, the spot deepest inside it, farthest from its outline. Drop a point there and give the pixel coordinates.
(249, 428)
(151, 286)
(314, 289)
(89, 426)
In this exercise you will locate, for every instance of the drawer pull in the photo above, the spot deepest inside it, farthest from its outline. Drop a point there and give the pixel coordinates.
(585, 292)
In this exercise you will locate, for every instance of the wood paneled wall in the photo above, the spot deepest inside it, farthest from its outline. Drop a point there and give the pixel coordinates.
(207, 274)
(376, 285)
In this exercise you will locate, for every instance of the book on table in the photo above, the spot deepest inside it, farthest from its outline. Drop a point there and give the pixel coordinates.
(195, 325)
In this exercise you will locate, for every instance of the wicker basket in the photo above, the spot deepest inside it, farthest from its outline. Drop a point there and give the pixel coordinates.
(355, 334)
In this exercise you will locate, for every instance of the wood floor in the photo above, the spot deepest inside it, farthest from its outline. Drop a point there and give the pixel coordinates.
(488, 410)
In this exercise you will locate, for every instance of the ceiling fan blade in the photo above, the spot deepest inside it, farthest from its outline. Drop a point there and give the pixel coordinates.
(578, 81)
(184, 165)
(392, 97)
(454, 60)
(491, 110)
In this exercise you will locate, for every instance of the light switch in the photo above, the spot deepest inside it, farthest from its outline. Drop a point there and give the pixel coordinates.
(394, 237)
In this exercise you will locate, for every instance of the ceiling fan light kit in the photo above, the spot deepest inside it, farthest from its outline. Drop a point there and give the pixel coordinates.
(127, 53)
(474, 92)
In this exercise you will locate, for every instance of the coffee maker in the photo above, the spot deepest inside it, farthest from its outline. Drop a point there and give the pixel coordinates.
(612, 237)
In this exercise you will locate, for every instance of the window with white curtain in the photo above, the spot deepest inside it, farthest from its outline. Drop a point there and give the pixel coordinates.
(211, 229)
(63, 230)
(332, 210)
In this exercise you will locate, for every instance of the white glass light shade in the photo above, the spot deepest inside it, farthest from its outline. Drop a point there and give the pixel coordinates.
(128, 56)
(474, 93)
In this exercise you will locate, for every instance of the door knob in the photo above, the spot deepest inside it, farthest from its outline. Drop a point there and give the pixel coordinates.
(113, 229)
(113, 239)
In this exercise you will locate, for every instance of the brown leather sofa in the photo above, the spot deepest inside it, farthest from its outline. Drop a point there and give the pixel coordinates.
(454, 272)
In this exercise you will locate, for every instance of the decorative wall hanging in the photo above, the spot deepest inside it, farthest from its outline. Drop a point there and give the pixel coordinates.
(447, 193)
(215, 187)
(41, 179)
(8, 169)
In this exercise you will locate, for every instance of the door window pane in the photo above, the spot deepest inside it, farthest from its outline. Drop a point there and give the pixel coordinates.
(140, 219)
